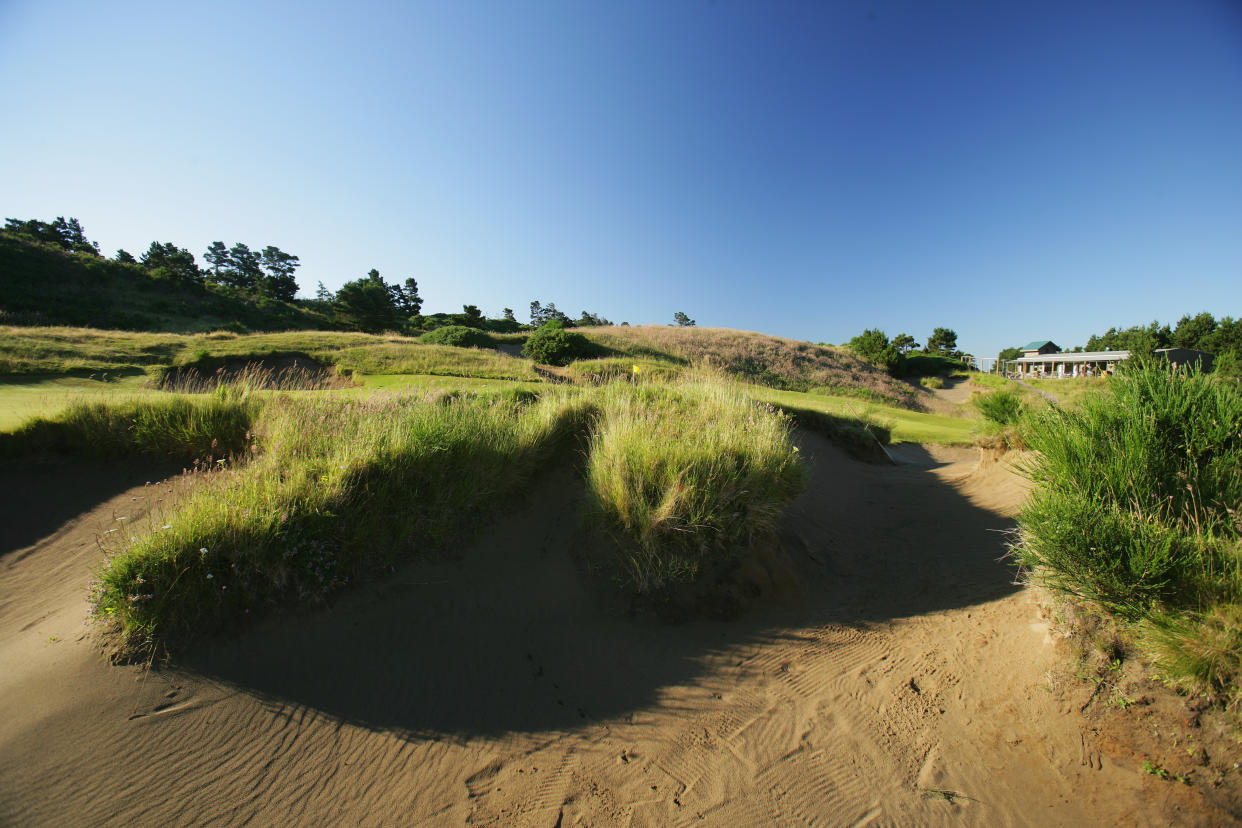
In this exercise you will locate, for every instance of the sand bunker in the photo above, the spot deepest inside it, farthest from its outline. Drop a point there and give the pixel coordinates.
(900, 678)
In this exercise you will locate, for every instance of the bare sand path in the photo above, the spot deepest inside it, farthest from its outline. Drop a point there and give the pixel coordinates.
(898, 677)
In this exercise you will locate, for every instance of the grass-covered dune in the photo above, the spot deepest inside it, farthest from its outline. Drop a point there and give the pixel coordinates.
(758, 358)
(1137, 508)
(663, 352)
(319, 491)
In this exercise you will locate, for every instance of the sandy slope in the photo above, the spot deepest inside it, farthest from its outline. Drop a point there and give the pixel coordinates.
(897, 677)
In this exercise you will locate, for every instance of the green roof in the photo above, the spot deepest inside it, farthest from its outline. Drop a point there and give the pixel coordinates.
(1035, 346)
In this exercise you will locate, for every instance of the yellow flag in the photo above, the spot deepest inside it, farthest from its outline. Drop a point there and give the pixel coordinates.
(636, 371)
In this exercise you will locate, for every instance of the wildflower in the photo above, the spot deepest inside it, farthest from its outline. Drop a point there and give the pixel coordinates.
(166, 526)
(202, 550)
(210, 576)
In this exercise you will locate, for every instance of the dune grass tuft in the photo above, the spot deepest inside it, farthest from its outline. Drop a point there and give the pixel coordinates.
(167, 427)
(688, 477)
(338, 489)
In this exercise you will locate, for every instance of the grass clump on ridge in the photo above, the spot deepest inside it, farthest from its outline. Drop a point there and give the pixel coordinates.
(1001, 407)
(459, 336)
(338, 489)
(166, 427)
(1136, 508)
(689, 477)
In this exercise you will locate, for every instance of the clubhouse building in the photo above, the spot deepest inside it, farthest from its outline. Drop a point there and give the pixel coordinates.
(1044, 360)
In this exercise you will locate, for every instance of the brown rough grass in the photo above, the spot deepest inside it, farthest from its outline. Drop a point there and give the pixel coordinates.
(759, 358)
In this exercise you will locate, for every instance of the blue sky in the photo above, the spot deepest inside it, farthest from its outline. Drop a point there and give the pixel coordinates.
(1013, 170)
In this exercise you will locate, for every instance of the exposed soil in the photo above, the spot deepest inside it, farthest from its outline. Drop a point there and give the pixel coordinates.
(896, 675)
(947, 400)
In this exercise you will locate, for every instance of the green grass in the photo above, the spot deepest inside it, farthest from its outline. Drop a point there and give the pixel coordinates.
(1001, 407)
(1134, 508)
(609, 369)
(23, 398)
(989, 380)
(928, 365)
(322, 489)
(81, 351)
(338, 489)
(185, 428)
(903, 425)
(1072, 391)
(688, 477)
(432, 382)
(756, 358)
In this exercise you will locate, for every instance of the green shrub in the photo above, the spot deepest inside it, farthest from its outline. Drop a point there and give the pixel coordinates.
(459, 336)
(873, 346)
(927, 365)
(551, 344)
(1002, 407)
(932, 382)
(1135, 507)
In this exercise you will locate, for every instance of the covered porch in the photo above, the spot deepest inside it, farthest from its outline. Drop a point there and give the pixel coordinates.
(1064, 365)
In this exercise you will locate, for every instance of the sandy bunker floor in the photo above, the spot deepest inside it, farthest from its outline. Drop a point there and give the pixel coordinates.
(898, 678)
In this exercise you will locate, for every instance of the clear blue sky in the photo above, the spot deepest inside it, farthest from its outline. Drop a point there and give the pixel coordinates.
(1013, 170)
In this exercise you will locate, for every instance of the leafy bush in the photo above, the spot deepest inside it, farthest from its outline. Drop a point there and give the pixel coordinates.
(927, 365)
(1135, 508)
(1002, 407)
(459, 336)
(551, 344)
(873, 346)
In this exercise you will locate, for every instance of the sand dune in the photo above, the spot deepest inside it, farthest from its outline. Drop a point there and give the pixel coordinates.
(896, 676)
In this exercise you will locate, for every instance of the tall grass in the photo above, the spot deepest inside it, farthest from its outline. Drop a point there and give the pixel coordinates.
(758, 358)
(443, 360)
(60, 350)
(339, 489)
(689, 477)
(174, 427)
(1136, 507)
(252, 376)
(1002, 406)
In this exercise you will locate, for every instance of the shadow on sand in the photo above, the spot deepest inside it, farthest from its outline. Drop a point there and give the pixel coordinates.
(42, 494)
(512, 637)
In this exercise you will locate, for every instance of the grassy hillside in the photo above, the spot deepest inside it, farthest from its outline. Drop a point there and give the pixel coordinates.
(302, 494)
(40, 284)
(43, 370)
(771, 361)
